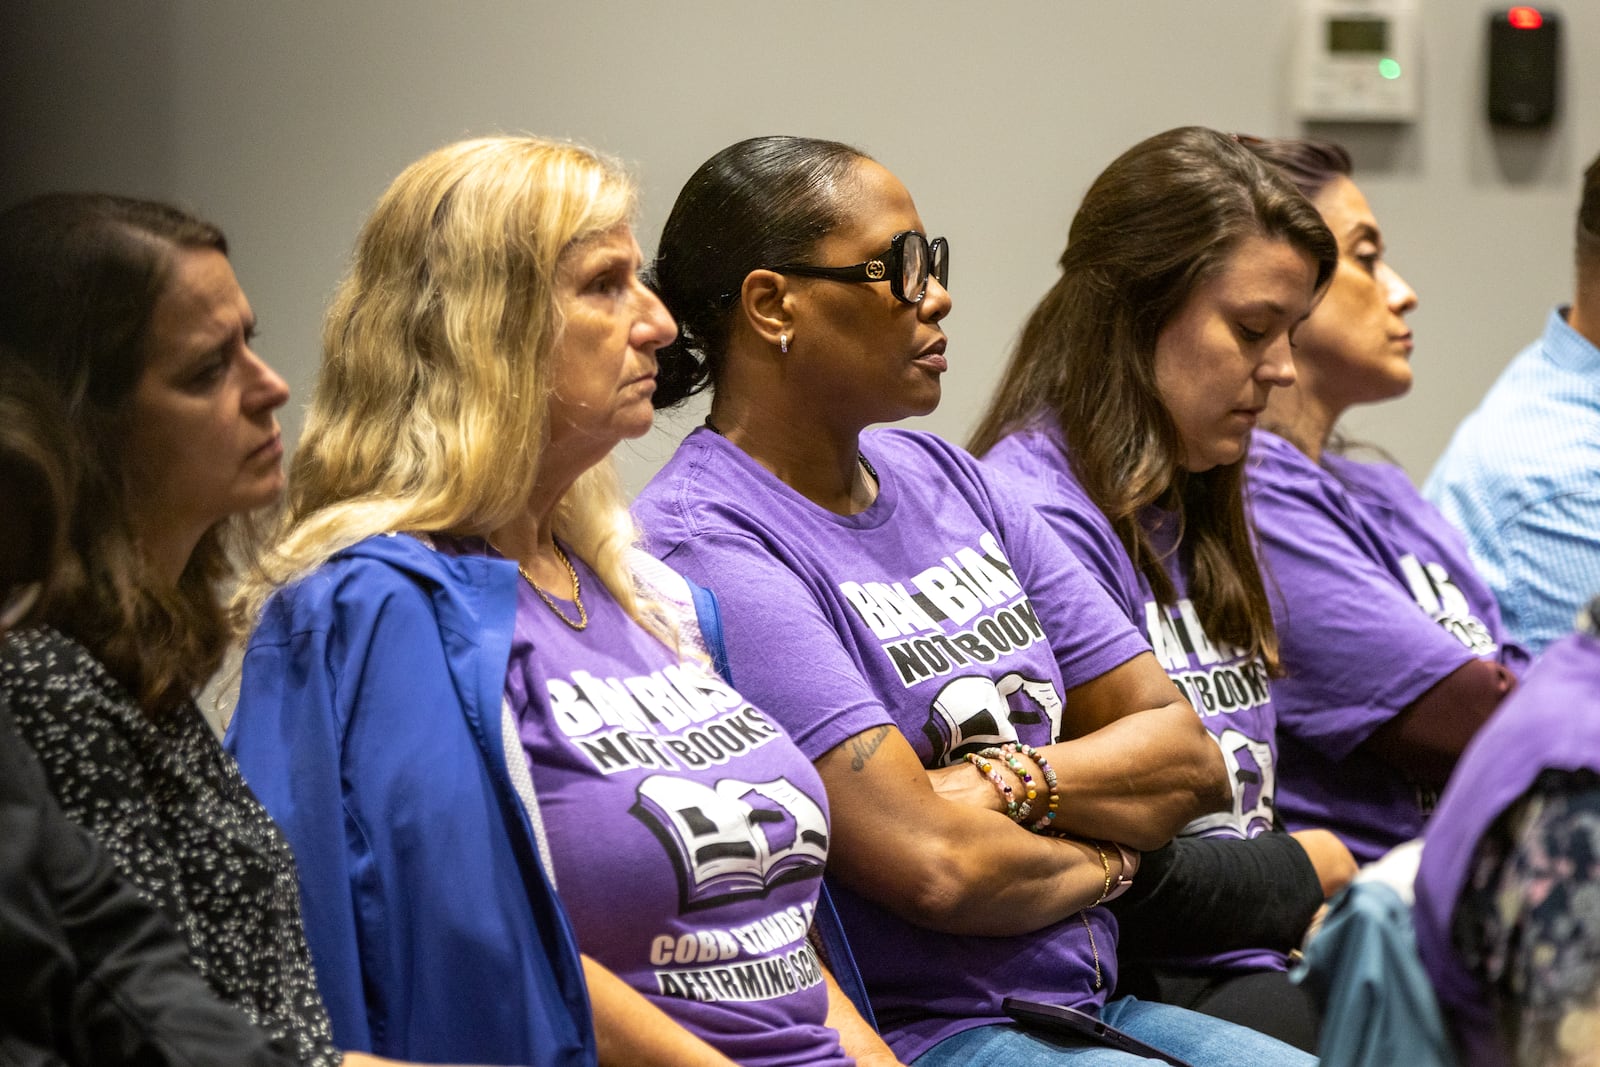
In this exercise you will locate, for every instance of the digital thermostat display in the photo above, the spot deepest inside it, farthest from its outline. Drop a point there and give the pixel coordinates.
(1358, 35)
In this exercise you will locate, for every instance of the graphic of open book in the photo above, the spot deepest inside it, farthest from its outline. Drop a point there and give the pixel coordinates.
(974, 712)
(737, 840)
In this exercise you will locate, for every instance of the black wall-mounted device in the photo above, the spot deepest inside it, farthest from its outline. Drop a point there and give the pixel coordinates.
(1524, 61)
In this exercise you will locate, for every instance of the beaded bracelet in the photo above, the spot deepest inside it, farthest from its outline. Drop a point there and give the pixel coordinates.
(1008, 753)
(986, 769)
(1049, 783)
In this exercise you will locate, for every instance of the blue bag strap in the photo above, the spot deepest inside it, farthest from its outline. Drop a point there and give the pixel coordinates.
(841, 961)
(710, 617)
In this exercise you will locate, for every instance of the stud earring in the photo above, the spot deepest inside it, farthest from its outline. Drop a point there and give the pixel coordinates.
(783, 343)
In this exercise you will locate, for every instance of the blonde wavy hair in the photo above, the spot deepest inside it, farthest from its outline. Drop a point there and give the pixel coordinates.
(430, 410)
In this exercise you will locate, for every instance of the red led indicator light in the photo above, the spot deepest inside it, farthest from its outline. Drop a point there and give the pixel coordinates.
(1525, 18)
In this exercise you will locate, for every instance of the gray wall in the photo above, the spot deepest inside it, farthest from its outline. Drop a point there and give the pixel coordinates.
(283, 121)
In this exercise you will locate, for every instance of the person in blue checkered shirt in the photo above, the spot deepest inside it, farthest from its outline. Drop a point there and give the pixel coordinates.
(1521, 477)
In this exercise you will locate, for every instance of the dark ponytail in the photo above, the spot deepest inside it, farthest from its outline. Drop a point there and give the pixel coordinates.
(760, 202)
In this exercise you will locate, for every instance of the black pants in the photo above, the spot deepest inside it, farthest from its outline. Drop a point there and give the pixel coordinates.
(1265, 1001)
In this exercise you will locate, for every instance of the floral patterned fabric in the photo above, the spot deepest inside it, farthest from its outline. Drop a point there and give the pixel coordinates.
(169, 807)
(1528, 921)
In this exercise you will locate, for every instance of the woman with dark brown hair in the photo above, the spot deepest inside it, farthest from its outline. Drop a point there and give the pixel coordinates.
(1125, 416)
(123, 307)
(94, 973)
(128, 316)
(129, 312)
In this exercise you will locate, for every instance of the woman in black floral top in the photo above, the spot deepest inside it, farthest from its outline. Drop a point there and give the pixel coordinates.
(130, 313)
(93, 972)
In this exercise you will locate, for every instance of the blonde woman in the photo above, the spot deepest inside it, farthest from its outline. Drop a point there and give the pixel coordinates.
(453, 603)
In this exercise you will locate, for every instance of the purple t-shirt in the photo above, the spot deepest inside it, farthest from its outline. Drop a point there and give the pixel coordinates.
(1551, 722)
(685, 831)
(1228, 689)
(1375, 603)
(1438, 569)
(947, 609)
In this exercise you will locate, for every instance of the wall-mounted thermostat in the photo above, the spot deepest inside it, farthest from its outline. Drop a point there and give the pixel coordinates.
(1357, 61)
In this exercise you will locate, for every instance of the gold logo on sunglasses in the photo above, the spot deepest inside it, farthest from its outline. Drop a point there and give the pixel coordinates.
(876, 270)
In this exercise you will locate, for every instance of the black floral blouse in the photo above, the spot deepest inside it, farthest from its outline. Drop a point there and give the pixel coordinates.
(179, 822)
(1528, 921)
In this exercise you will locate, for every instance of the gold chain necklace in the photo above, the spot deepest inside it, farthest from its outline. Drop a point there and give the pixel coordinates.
(1094, 948)
(577, 590)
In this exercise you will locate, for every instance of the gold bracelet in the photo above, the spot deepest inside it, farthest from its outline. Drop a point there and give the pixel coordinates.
(1105, 865)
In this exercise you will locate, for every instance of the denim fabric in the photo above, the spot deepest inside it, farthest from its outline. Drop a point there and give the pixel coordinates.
(1199, 1039)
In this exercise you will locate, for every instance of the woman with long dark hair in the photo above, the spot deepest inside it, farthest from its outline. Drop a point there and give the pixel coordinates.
(94, 972)
(129, 314)
(127, 317)
(1125, 415)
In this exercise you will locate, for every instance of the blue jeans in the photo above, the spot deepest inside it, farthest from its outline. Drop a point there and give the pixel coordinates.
(1188, 1035)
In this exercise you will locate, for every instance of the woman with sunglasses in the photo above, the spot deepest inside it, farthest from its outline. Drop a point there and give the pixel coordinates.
(1392, 645)
(1125, 413)
(996, 740)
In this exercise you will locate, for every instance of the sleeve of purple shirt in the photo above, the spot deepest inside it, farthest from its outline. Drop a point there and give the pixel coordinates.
(1356, 648)
(1089, 630)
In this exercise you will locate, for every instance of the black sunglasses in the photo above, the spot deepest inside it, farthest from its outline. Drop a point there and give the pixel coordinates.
(906, 265)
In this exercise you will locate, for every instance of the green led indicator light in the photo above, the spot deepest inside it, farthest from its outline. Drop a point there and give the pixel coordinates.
(1389, 69)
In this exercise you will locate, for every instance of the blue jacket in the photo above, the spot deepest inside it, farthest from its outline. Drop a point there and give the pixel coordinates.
(371, 725)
